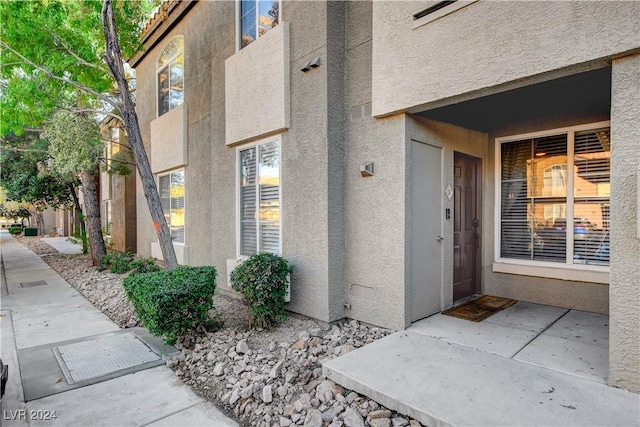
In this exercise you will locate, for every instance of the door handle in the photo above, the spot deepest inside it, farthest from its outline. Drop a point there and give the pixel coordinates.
(439, 238)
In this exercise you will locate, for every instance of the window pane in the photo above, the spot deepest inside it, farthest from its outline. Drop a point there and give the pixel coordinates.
(163, 91)
(270, 237)
(248, 236)
(268, 15)
(550, 166)
(550, 230)
(176, 78)
(247, 28)
(534, 188)
(165, 197)
(517, 239)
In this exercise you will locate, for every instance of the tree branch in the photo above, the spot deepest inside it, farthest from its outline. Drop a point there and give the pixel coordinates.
(90, 110)
(61, 79)
(29, 150)
(65, 45)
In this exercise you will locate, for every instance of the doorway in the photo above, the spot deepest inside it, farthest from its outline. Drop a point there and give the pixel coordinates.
(426, 229)
(467, 226)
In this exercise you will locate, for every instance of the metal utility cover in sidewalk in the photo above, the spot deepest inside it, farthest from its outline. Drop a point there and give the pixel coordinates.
(33, 284)
(94, 358)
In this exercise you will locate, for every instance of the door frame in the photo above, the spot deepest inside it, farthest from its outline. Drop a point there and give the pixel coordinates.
(437, 304)
(479, 215)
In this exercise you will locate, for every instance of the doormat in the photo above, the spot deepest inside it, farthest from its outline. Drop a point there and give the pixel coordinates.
(480, 309)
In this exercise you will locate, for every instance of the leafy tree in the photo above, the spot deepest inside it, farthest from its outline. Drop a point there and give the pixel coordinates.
(15, 210)
(75, 147)
(25, 179)
(67, 49)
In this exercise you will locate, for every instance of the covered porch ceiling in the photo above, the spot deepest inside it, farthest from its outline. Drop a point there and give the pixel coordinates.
(588, 94)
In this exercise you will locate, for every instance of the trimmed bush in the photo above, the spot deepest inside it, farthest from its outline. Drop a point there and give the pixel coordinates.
(144, 265)
(117, 262)
(15, 230)
(171, 302)
(262, 279)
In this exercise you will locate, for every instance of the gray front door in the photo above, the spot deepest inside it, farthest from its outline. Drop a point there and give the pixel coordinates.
(426, 254)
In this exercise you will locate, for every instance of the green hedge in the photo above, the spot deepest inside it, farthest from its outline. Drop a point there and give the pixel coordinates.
(171, 302)
(15, 230)
(262, 279)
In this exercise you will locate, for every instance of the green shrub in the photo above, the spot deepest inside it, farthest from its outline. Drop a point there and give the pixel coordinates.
(117, 262)
(15, 230)
(170, 302)
(262, 279)
(144, 265)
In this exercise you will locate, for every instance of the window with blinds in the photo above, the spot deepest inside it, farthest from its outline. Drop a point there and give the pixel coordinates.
(547, 184)
(171, 188)
(259, 196)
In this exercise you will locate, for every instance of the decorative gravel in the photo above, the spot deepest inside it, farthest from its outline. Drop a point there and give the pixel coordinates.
(265, 378)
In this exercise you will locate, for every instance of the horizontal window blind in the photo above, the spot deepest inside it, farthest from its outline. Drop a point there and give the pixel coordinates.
(171, 187)
(536, 211)
(260, 199)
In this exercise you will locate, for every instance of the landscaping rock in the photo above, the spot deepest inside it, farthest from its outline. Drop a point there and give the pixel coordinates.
(267, 378)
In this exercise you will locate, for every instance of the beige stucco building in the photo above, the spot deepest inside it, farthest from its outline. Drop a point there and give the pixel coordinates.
(404, 155)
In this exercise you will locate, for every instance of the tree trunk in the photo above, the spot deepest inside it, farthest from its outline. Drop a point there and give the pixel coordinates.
(130, 119)
(83, 228)
(40, 223)
(92, 213)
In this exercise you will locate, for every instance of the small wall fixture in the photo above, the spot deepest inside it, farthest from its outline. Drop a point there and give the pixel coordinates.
(366, 169)
(314, 63)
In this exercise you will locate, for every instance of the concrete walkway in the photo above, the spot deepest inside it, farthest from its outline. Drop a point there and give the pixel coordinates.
(529, 365)
(35, 314)
(63, 245)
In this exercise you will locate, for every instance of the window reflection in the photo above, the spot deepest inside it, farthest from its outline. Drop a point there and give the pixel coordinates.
(171, 76)
(256, 18)
(535, 217)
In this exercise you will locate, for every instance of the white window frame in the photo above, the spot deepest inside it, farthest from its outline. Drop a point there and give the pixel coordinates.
(167, 65)
(239, 22)
(169, 172)
(563, 271)
(244, 147)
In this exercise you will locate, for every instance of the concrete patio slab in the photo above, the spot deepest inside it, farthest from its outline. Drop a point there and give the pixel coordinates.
(576, 344)
(570, 357)
(504, 333)
(442, 383)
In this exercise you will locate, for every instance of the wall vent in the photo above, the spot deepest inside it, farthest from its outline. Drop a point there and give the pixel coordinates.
(431, 9)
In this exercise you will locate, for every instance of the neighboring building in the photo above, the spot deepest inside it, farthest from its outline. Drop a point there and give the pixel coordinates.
(118, 192)
(404, 155)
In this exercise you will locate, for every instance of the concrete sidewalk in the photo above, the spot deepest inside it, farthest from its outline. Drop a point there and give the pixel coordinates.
(37, 315)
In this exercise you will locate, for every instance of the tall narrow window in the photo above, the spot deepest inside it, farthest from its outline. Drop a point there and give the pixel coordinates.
(260, 198)
(256, 18)
(171, 187)
(171, 76)
(548, 184)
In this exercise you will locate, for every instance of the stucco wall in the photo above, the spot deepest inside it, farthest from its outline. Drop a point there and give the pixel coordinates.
(178, 138)
(503, 41)
(624, 329)
(375, 228)
(257, 87)
(169, 140)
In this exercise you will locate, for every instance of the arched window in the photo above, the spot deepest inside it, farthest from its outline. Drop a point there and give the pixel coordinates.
(171, 76)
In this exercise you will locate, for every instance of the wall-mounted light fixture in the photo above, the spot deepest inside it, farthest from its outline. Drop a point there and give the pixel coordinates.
(366, 169)
(314, 63)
